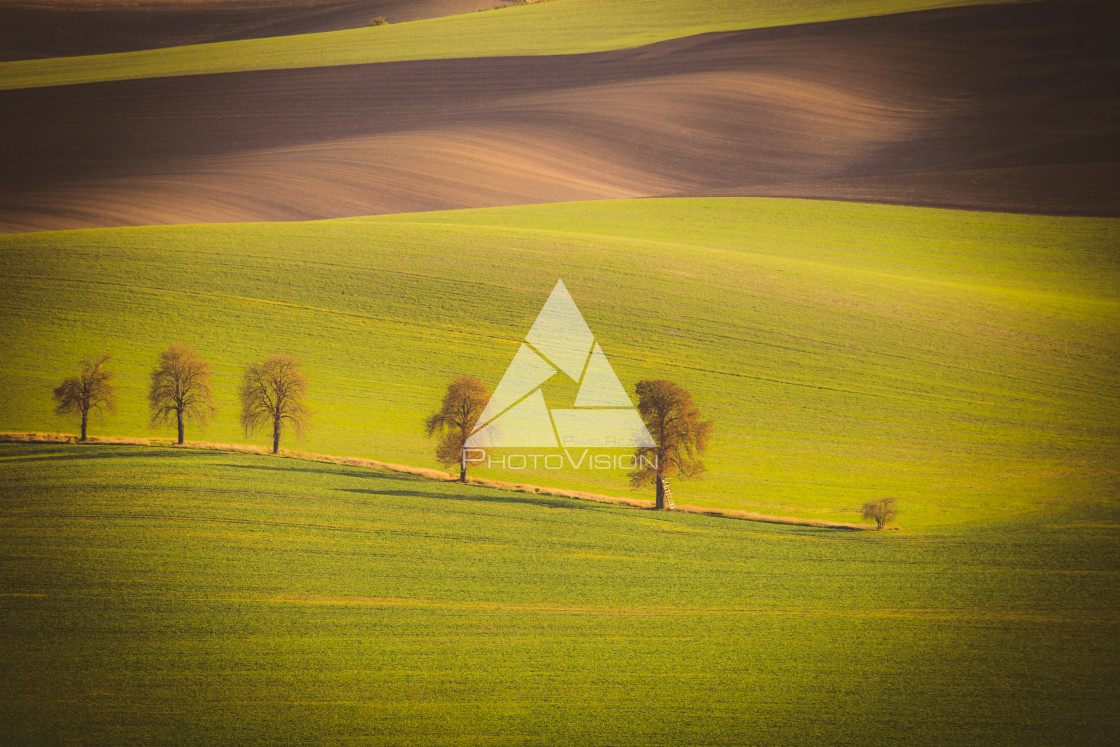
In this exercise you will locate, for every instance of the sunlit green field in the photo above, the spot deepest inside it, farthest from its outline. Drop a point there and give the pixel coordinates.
(556, 27)
(152, 595)
(962, 362)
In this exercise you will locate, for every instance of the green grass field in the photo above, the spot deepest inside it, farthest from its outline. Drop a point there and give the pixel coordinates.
(962, 362)
(557, 27)
(156, 595)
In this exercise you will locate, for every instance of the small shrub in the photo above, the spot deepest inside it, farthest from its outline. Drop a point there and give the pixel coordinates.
(378, 21)
(880, 511)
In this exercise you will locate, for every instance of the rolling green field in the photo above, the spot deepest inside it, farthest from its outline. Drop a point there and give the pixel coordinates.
(557, 27)
(962, 362)
(156, 595)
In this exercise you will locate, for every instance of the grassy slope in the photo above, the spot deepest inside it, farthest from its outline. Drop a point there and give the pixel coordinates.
(559, 27)
(963, 362)
(152, 596)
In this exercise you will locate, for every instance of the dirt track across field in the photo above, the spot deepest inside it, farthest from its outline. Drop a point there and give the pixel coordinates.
(1001, 108)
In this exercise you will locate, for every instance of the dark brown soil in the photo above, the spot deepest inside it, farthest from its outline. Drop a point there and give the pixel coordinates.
(1001, 108)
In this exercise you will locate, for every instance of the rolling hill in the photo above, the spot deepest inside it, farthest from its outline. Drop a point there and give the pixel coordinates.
(49, 28)
(877, 241)
(999, 108)
(159, 595)
(573, 27)
(960, 361)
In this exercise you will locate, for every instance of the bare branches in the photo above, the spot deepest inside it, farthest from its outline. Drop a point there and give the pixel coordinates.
(90, 391)
(180, 386)
(675, 423)
(462, 404)
(272, 392)
(881, 511)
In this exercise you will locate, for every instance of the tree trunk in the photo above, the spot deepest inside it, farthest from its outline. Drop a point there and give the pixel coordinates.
(179, 417)
(462, 472)
(660, 504)
(276, 436)
(85, 421)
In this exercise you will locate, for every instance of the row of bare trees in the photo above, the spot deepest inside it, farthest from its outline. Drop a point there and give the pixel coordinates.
(272, 393)
(273, 390)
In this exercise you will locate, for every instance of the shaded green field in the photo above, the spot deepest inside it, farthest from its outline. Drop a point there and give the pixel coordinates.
(153, 595)
(558, 27)
(963, 362)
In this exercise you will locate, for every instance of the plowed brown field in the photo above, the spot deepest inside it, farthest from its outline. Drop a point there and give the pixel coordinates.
(1004, 108)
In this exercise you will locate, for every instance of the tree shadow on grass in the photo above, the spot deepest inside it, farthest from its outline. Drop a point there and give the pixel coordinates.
(530, 499)
(67, 452)
(413, 493)
(343, 471)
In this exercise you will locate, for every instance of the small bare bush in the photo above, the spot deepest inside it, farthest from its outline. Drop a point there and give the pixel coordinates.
(880, 511)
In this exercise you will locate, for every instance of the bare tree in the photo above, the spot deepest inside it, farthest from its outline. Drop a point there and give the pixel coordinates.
(180, 386)
(272, 393)
(677, 429)
(86, 392)
(462, 404)
(881, 511)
